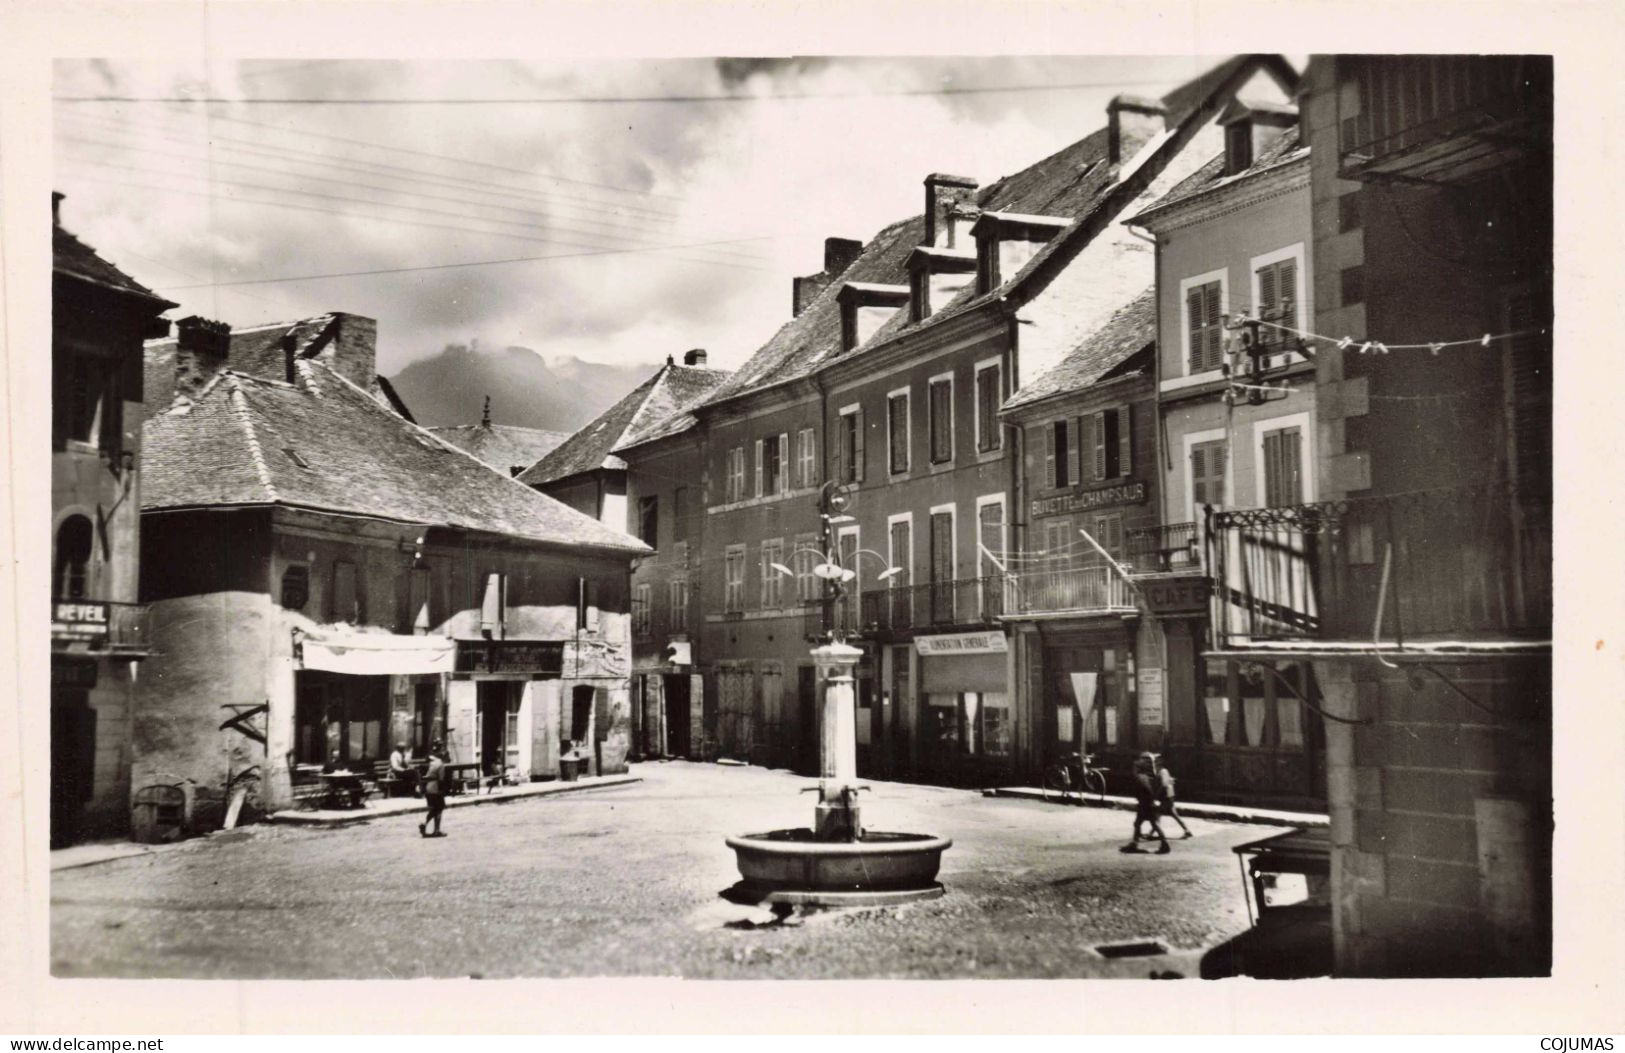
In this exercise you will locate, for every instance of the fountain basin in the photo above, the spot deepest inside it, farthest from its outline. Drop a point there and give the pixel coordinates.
(880, 861)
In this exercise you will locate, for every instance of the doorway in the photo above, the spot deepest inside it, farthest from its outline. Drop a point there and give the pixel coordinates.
(497, 718)
(677, 696)
(73, 760)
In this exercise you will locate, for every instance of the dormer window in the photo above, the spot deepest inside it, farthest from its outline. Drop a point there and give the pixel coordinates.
(935, 277)
(865, 307)
(1006, 241)
(1249, 129)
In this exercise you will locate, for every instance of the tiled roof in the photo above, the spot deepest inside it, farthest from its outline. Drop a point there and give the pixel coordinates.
(325, 444)
(1128, 332)
(75, 259)
(646, 407)
(505, 447)
(1070, 184)
(1284, 149)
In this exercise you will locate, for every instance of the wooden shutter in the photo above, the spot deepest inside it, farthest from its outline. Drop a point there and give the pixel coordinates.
(1267, 297)
(1052, 453)
(758, 467)
(900, 554)
(1287, 290)
(783, 481)
(840, 449)
(1283, 467)
(1087, 425)
(1207, 475)
(1098, 446)
(942, 547)
(857, 445)
(1195, 312)
(1125, 442)
(1214, 332)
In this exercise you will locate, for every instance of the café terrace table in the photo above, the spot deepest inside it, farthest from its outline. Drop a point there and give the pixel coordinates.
(464, 776)
(342, 786)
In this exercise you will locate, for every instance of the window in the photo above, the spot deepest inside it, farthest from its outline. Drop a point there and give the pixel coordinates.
(1242, 706)
(736, 474)
(417, 620)
(1352, 280)
(897, 430)
(943, 568)
(344, 602)
(942, 420)
(649, 520)
(1276, 293)
(74, 543)
(296, 587)
(802, 561)
(642, 616)
(1108, 438)
(846, 547)
(967, 723)
(1057, 541)
(901, 556)
(733, 579)
(774, 452)
(86, 403)
(807, 457)
(987, 408)
(772, 582)
(1283, 467)
(1057, 456)
(989, 535)
(494, 603)
(1107, 529)
(677, 600)
(679, 514)
(1350, 213)
(1207, 476)
(1204, 326)
(849, 450)
(586, 605)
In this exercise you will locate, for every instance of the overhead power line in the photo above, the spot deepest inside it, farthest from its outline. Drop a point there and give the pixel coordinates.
(431, 267)
(238, 199)
(591, 100)
(274, 150)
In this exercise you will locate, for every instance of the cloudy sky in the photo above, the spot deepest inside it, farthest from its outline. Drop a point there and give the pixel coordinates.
(677, 197)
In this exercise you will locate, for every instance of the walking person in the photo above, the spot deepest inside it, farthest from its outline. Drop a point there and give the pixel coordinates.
(1146, 805)
(434, 791)
(1169, 805)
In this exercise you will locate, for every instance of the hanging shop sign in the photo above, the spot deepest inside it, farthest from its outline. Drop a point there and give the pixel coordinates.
(531, 657)
(1131, 493)
(962, 643)
(1175, 596)
(78, 620)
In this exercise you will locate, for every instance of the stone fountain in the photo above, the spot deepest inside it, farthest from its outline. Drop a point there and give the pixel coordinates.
(836, 862)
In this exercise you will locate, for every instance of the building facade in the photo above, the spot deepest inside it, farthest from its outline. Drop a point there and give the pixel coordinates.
(1239, 424)
(99, 630)
(327, 578)
(882, 395)
(1089, 661)
(1427, 617)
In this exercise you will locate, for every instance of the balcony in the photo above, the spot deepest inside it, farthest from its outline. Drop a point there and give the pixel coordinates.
(100, 627)
(1171, 549)
(962, 603)
(1093, 588)
(1443, 118)
(1467, 564)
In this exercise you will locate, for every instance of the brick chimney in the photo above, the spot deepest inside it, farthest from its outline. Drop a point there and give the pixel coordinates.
(1131, 122)
(695, 357)
(944, 194)
(839, 254)
(349, 347)
(56, 208)
(201, 349)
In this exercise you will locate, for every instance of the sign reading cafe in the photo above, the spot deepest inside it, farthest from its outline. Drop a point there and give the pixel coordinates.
(1082, 501)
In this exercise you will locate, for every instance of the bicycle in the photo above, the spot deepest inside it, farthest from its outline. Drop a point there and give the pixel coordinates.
(1075, 772)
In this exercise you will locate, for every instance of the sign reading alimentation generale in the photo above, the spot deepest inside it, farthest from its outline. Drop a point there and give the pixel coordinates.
(1084, 500)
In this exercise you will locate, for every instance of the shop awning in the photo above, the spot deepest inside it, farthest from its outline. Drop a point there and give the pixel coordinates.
(375, 654)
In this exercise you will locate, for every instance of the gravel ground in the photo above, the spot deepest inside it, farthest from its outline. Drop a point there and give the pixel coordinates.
(625, 881)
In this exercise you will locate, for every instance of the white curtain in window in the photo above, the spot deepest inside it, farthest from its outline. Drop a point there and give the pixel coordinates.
(1218, 713)
(1253, 714)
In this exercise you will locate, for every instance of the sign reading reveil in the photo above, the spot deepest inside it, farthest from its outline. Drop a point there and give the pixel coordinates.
(1121, 494)
(961, 643)
(79, 619)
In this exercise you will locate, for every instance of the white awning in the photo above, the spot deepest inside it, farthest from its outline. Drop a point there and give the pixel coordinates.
(375, 654)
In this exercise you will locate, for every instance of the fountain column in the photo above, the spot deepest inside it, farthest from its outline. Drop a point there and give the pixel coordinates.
(836, 817)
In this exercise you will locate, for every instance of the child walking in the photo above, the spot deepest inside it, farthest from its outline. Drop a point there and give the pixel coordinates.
(1169, 809)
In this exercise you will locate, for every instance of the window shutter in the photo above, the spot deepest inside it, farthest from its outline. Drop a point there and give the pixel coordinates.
(1195, 312)
(840, 450)
(1289, 292)
(1050, 455)
(1215, 332)
(784, 462)
(857, 445)
(1267, 295)
(1125, 441)
(758, 463)
(1098, 452)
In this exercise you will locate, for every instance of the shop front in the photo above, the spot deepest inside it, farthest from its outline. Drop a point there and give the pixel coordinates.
(505, 705)
(966, 732)
(1090, 695)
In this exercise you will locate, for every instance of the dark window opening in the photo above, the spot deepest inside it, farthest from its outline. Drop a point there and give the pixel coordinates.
(296, 587)
(74, 540)
(649, 520)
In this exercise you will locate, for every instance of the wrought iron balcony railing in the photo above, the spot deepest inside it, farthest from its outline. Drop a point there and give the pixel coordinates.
(1459, 563)
(1165, 549)
(100, 626)
(962, 602)
(1092, 587)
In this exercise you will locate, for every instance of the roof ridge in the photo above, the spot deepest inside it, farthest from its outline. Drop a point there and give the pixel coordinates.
(239, 405)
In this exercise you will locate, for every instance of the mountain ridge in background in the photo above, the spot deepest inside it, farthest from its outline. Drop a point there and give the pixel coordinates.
(526, 389)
